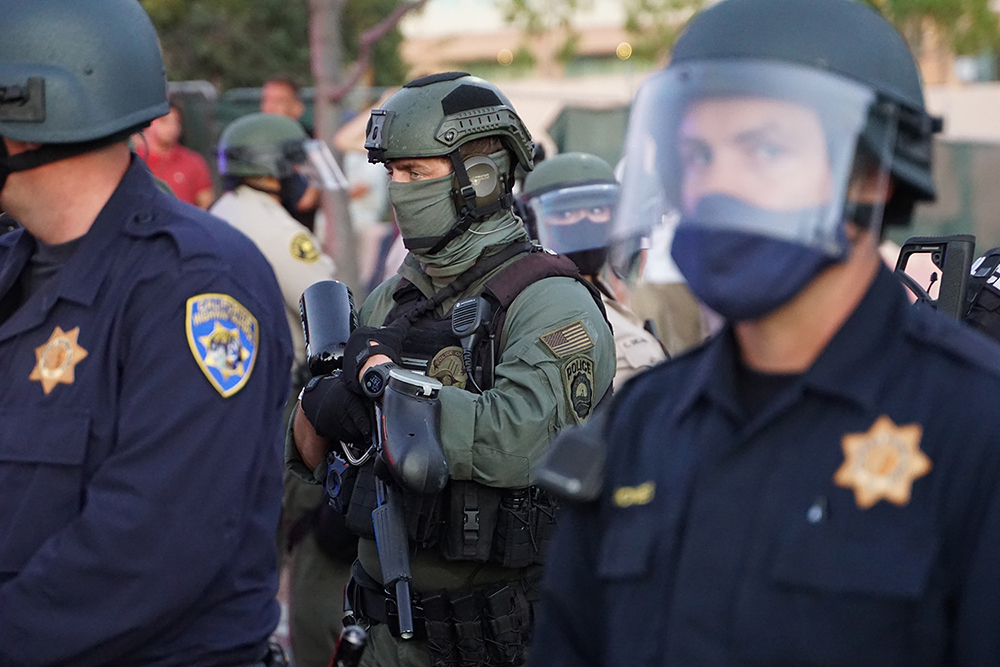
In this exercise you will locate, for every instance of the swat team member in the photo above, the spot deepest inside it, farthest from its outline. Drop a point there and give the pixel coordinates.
(144, 357)
(572, 198)
(818, 485)
(451, 142)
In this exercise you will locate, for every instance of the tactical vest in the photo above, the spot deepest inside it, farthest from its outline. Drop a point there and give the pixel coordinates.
(467, 520)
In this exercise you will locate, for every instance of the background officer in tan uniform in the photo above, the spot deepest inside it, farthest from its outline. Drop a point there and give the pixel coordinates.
(257, 158)
(258, 154)
(572, 198)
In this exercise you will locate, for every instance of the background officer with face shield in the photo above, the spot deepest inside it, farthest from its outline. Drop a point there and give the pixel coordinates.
(572, 198)
(807, 487)
(544, 360)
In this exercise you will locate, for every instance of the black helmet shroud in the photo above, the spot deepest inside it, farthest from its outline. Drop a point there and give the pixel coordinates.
(840, 37)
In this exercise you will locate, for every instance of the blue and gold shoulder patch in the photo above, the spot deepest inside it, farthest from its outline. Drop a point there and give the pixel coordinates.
(223, 336)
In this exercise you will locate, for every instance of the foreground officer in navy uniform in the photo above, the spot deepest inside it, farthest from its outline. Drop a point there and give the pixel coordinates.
(817, 485)
(145, 360)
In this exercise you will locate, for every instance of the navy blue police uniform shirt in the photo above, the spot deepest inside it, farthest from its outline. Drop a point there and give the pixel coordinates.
(854, 521)
(140, 443)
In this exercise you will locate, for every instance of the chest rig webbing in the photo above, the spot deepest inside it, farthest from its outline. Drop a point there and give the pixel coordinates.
(468, 520)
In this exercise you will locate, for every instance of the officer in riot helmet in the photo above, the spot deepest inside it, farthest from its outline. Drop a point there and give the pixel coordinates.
(806, 488)
(145, 357)
(542, 360)
(571, 198)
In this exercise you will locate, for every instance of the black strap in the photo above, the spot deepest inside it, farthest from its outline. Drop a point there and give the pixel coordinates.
(462, 282)
(49, 153)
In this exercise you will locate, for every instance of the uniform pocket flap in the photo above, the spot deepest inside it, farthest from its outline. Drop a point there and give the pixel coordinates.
(879, 568)
(627, 548)
(34, 436)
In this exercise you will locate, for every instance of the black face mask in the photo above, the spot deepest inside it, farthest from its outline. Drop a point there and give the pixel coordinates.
(292, 189)
(589, 261)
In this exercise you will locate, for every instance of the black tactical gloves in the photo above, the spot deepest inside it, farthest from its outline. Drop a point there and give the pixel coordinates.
(366, 342)
(336, 411)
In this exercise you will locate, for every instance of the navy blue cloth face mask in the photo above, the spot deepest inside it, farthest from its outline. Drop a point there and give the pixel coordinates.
(740, 274)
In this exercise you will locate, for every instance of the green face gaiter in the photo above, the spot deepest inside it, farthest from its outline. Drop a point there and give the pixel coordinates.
(426, 209)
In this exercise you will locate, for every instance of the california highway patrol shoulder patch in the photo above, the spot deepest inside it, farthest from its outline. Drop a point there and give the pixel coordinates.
(223, 336)
(303, 249)
(578, 378)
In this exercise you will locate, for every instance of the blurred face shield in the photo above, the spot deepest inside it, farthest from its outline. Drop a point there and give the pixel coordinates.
(576, 218)
(761, 165)
(314, 160)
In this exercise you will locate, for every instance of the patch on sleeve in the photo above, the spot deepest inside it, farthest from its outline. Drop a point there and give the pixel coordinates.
(567, 340)
(303, 249)
(578, 378)
(223, 336)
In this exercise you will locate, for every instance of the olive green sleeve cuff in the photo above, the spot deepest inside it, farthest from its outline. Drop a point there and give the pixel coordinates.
(458, 429)
(294, 463)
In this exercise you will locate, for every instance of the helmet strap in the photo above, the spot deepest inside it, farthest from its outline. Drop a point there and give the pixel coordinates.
(468, 211)
(49, 153)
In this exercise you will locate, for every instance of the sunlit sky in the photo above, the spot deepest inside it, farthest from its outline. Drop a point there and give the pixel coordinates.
(446, 17)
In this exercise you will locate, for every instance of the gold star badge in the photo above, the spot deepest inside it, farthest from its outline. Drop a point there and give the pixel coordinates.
(223, 351)
(883, 463)
(56, 359)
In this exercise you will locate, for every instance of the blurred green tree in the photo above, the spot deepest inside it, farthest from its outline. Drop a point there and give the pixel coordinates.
(968, 27)
(235, 43)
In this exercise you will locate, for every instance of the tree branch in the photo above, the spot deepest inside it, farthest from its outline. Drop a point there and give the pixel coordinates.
(369, 37)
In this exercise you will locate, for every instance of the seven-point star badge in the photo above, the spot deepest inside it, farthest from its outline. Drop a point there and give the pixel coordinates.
(883, 463)
(57, 358)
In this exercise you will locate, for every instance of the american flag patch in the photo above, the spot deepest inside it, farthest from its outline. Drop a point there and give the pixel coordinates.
(568, 340)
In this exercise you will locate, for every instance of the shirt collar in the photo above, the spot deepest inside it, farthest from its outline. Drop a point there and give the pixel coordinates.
(128, 209)
(861, 343)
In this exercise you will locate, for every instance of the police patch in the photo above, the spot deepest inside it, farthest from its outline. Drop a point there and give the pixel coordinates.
(223, 336)
(303, 249)
(568, 340)
(448, 367)
(578, 378)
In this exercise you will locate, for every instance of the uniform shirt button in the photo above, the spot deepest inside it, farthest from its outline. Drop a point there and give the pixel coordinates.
(816, 511)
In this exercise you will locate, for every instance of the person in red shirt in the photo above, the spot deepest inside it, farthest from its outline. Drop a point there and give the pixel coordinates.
(184, 170)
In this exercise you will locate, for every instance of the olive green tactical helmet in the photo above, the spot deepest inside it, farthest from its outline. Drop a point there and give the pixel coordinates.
(434, 115)
(567, 169)
(75, 71)
(261, 144)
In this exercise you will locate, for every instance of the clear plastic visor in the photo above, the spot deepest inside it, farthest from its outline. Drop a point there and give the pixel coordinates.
(576, 218)
(759, 147)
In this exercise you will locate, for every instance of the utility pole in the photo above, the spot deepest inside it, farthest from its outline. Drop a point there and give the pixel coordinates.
(327, 54)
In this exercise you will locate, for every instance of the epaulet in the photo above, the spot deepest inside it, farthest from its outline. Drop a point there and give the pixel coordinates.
(953, 339)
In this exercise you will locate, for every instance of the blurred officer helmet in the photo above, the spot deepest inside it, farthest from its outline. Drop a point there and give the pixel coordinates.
(74, 71)
(572, 197)
(776, 122)
(262, 144)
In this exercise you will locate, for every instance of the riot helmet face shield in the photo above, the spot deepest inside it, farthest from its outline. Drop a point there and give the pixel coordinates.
(309, 158)
(575, 218)
(741, 153)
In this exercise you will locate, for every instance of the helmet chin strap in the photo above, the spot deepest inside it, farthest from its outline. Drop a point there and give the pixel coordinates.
(469, 213)
(49, 153)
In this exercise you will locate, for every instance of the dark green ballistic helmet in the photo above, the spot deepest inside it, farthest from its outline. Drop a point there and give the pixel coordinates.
(262, 144)
(434, 115)
(76, 71)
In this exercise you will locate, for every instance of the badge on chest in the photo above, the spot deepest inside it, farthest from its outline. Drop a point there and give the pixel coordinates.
(56, 360)
(882, 463)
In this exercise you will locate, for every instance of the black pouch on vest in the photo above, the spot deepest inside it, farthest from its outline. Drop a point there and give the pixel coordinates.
(508, 625)
(363, 502)
(440, 633)
(472, 519)
(468, 623)
(527, 521)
